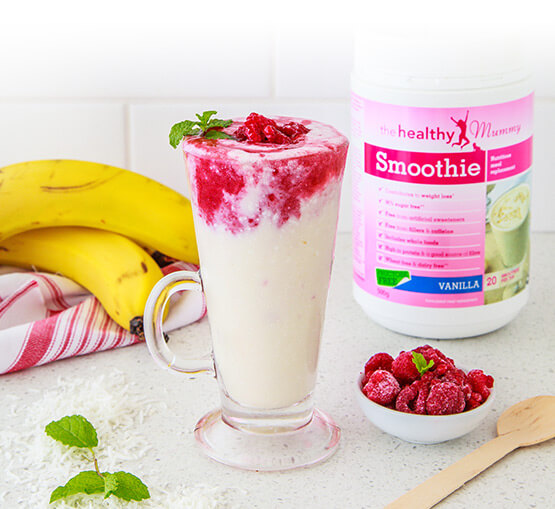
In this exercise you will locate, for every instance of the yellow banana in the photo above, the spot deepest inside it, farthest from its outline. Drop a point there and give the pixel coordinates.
(113, 268)
(63, 192)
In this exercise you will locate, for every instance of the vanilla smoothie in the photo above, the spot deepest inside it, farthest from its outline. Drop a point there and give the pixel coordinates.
(510, 224)
(265, 219)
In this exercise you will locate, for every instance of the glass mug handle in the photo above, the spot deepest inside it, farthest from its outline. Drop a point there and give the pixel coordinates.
(156, 303)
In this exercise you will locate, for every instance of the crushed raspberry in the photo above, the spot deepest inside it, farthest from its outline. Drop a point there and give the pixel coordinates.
(294, 130)
(404, 369)
(445, 398)
(260, 129)
(443, 389)
(377, 361)
(382, 387)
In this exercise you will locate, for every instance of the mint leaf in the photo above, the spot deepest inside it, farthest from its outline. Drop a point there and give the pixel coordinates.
(181, 129)
(204, 126)
(110, 484)
(216, 122)
(213, 134)
(127, 486)
(420, 362)
(205, 118)
(73, 430)
(88, 482)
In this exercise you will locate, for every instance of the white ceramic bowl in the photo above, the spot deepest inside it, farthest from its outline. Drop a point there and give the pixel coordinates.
(422, 429)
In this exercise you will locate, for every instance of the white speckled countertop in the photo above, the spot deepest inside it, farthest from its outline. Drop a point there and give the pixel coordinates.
(370, 468)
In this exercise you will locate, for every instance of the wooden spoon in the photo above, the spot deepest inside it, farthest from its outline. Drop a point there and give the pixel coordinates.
(527, 423)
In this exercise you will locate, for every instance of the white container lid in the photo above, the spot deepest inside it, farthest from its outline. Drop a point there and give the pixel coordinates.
(438, 58)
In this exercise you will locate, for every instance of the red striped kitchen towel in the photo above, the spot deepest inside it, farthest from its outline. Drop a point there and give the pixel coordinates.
(44, 317)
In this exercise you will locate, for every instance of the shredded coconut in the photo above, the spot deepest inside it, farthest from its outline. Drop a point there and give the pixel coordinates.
(34, 464)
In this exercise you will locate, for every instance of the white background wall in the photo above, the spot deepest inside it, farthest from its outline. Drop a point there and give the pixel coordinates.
(105, 82)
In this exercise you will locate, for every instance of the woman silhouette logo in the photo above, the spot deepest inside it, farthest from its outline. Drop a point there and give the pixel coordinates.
(461, 124)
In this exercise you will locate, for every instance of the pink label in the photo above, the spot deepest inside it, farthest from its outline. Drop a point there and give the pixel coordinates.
(429, 185)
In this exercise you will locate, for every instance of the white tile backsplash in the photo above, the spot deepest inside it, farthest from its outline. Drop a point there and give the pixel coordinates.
(92, 132)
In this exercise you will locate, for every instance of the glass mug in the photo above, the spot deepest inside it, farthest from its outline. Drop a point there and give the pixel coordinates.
(265, 220)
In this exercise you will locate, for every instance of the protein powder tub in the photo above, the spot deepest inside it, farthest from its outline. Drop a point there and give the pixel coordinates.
(441, 158)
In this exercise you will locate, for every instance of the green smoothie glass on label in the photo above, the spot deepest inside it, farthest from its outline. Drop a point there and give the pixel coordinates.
(441, 160)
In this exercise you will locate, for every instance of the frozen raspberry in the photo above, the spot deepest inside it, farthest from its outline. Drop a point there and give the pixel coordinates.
(412, 398)
(377, 361)
(404, 369)
(445, 398)
(475, 401)
(478, 378)
(382, 388)
(458, 377)
(442, 363)
(481, 385)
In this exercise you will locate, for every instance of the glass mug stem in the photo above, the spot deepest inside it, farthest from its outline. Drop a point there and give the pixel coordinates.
(153, 319)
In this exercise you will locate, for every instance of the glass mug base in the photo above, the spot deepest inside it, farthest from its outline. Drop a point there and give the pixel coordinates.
(312, 443)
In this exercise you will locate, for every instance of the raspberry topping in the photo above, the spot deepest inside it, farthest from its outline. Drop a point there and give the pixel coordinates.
(425, 387)
(377, 361)
(445, 398)
(260, 129)
(382, 387)
(238, 185)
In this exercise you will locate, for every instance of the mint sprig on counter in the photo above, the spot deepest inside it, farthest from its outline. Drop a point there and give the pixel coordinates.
(205, 126)
(76, 431)
(420, 362)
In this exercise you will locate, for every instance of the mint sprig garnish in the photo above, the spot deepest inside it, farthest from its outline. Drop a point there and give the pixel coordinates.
(205, 126)
(76, 431)
(420, 362)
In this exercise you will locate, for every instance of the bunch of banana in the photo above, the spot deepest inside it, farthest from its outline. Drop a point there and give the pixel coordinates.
(87, 221)
(40, 194)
